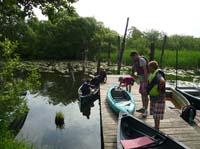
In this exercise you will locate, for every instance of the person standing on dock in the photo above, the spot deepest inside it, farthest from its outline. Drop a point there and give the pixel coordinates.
(141, 67)
(156, 90)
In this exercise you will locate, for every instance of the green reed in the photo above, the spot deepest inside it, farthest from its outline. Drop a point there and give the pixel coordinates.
(187, 59)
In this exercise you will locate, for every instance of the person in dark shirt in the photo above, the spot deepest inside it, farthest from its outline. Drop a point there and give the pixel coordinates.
(86, 87)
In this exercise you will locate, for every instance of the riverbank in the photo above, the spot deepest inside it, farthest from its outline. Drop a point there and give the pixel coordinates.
(61, 67)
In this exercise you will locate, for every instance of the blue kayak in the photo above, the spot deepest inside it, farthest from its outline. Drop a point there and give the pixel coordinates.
(120, 100)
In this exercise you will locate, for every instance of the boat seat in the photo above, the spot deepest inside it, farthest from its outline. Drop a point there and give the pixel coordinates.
(136, 143)
(117, 94)
(124, 103)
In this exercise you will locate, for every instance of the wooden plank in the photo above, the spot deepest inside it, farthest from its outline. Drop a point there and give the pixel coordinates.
(172, 124)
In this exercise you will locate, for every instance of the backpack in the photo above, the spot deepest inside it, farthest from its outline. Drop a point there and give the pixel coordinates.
(147, 61)
(188, 113)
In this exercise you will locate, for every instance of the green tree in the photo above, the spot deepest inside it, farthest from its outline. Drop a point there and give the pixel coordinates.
(135, 33)
(136, 40)
(14, 11)
(11, 87)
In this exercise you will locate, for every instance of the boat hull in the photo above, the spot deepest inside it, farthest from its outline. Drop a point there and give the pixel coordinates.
(178, 97)
(131, 128)
(85, 98)
(120, 100)
(194, 100)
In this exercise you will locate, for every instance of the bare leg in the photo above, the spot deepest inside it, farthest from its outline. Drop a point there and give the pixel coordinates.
(129, 88)
(157, 123)
(145, 101)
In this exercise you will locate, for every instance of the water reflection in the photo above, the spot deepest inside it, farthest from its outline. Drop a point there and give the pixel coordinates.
(58, 93)
(85, 107)
(59, 120)
(59, 88)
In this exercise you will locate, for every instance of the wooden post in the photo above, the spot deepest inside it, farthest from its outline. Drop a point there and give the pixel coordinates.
(152, 51)
(71, 71)
(163, 48)
(118, 48)
(122, 48)
(176, 67)
(86, 57)
(109, 49)
(83, 60)
(99, 57)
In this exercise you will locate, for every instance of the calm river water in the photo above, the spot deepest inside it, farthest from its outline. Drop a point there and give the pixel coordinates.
(82, 126)
(82, 123)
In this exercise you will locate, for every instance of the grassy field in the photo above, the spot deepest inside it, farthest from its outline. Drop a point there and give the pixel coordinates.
(187, 59)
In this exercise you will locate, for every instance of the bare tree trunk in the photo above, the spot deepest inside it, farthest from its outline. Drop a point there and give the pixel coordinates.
(122, 48)
(163, 48)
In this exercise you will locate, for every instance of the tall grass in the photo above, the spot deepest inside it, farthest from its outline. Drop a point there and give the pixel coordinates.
(187, 59)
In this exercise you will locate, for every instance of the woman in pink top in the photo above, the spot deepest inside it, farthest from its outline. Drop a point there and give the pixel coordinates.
(127, 82)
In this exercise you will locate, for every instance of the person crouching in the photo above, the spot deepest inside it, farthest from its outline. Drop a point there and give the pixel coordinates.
(126, 81)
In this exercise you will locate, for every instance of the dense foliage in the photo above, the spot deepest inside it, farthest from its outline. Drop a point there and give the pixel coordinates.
(13, 12)
(12, 85)
(71, 36)
(66, 39)
(187, 46)
(142, 40)
(66, 35)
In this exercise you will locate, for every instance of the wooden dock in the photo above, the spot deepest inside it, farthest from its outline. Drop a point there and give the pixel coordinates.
(172, 124)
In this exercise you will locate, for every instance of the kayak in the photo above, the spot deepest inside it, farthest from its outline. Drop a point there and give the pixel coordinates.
(120, 99)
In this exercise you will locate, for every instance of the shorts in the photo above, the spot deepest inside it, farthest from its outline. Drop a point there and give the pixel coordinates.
(157, 109)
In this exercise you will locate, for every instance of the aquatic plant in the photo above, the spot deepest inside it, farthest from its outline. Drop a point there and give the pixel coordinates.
(59, 120)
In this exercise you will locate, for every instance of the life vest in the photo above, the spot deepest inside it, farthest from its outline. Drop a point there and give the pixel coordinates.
(153, 82)
(139, 69)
